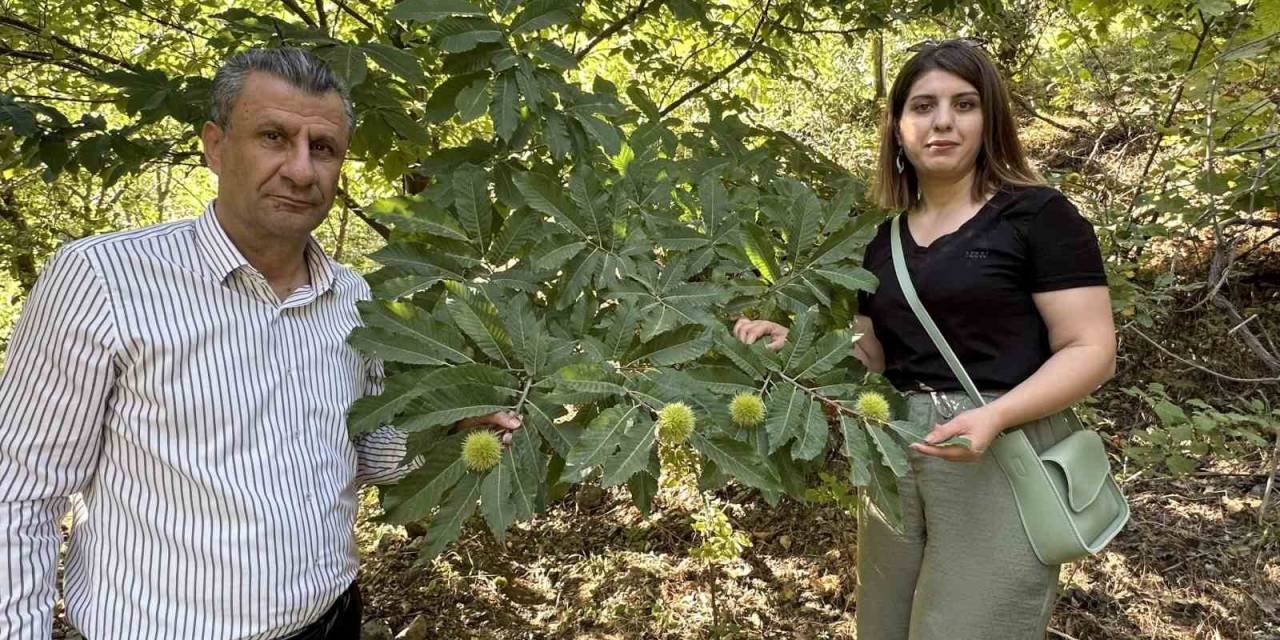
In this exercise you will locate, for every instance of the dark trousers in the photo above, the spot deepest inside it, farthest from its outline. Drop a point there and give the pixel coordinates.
(340, 622)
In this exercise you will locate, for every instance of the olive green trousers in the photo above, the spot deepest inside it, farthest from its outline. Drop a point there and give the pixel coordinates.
(961, 568)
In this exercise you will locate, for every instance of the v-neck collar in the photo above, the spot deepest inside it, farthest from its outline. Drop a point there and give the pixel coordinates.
(910, 238)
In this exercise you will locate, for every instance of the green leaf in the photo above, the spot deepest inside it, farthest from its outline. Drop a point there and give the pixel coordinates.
(603, 132)
(520, 229)
(857, 450)
(388, 346)
(471, 200)
(447, 524)
(458, 35)
(443, 102)
(495, 505)
(812, 441)
(556, 134)
(543, 195)
(417, 494)
(346, 61)
(849, 277)
(526, 462)
(803, 331)
(477, 317)
(760, 251)
(427, 10)
(473, 100)
(397, 61)
(890, 451)
(633, 452)
(505, 107)
(643, 488)
(739, 459)
(369, 413)
(643, 103)
(555, 55)
(786, 415)
(825, 354)
(883, 494)
(592, 215)
(415, 330)
(540, 14)
(600, 439)
(674, 347)
(530, 341)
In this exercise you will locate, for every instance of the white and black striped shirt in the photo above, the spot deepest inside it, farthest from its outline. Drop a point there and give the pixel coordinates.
(196, 425)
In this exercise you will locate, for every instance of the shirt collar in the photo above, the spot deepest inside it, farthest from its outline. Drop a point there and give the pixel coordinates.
(222, 258)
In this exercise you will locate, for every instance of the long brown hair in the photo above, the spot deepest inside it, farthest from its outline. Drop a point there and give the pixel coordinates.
(1000, 161)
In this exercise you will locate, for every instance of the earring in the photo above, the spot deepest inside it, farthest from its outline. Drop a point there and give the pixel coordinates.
(898, 161)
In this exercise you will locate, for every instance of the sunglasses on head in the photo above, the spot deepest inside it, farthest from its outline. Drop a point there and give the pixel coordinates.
(932, 44)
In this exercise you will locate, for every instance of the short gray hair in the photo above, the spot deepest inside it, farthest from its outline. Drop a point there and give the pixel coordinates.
(302, 69)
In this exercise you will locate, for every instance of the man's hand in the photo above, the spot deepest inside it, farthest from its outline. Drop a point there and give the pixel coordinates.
(748, 331)
(979, 426)
(504, 422)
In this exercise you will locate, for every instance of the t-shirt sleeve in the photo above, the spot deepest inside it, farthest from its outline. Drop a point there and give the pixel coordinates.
(1063, 249)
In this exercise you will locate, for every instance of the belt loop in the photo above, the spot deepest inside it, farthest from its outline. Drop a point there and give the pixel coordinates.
(942, 405)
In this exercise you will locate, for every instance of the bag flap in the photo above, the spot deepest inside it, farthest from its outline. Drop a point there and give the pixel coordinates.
(1083, 460)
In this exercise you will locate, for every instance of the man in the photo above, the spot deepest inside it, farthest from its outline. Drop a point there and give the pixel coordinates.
(190, 382)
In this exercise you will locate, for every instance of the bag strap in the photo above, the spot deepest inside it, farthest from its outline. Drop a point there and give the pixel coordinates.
(922, 314)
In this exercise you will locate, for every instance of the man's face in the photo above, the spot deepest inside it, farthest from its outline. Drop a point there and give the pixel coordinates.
(279, 159)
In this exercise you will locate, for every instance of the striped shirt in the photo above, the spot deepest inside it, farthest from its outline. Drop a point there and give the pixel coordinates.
(195, 425)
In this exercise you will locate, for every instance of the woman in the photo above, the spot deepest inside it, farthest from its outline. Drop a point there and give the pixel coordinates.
(1013, 276)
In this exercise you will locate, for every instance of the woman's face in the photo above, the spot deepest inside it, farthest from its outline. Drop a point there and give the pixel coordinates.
(940, 129)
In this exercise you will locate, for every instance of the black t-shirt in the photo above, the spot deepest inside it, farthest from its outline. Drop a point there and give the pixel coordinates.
(977, 283)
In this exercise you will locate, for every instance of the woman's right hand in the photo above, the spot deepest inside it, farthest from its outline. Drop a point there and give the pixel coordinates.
(748, 331)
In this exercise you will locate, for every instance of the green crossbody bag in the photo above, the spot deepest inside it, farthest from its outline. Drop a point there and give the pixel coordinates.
(1069, 504)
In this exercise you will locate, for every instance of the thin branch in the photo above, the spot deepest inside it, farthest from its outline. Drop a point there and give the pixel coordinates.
(380, 228)
(162, 22)
(359, 18)
(756, 36)
(324, 20)
(297, 10)
(67, 44)
(843, 32)
(32, 96)
(1193, 364)
(1173, 109)
(618, 25)
(1031, 111)
(79, 66)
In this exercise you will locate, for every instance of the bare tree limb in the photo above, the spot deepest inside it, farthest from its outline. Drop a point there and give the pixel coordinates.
(297, 10)
(618, 25)
(67, 44)
(381, 229)
(1031, 111)
(756, 36)
(358, 18)
(323, 19)
(1195, 365)
(79, 66)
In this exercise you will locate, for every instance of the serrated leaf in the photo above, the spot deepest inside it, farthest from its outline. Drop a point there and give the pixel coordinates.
(416, 215)
(812, 439)
(530, 341)
(633, 453)
(369, 413)
(426, 10)
(643, 488)
(407, 257)
(526, 463)
(521, 229)
(592, 214)
(495, 506)
(418, 331)
(540, 14)
(458, 35)
(447, 524)
(473, 100)
(675, 347)
(417, 494)
(397, 61)
(857, 450)
(786, 415)
(603, 133)
(598, 440)
(477, 317)
(760, 251)
(544, 195)
(387, 346)
(882, 491)
(799, 339)
(849, 277)
(890, 451)
(471, 200)
(505, 107)
(346, 61)
(738, 459)
(825, 354)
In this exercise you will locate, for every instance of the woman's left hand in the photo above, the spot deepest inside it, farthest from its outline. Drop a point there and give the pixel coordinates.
(979, 426)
